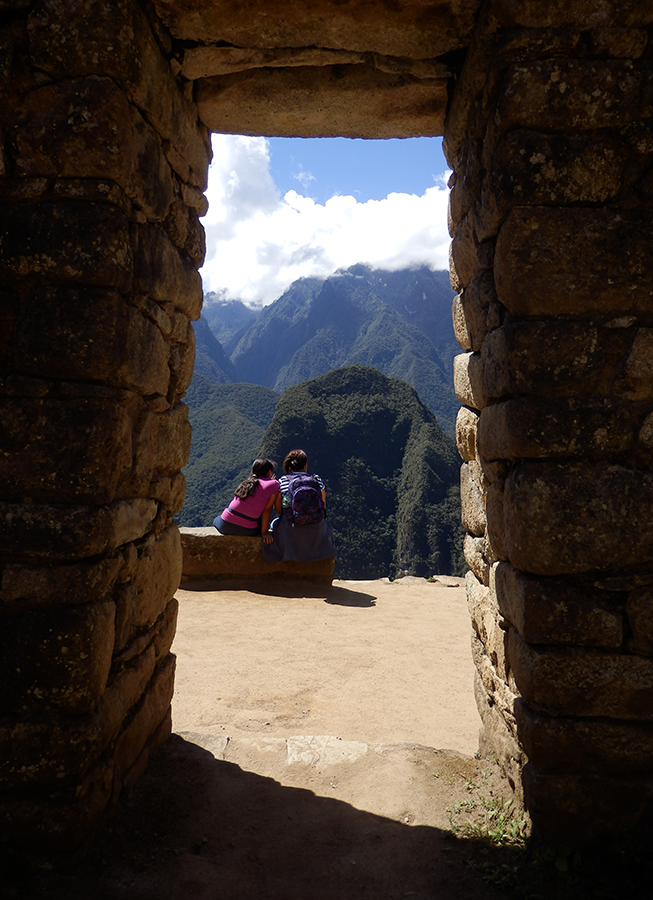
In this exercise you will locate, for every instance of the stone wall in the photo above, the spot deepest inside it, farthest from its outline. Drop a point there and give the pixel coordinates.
(102, 166)
(550, 135)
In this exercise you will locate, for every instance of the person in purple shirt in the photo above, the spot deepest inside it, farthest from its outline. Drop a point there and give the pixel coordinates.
(249, 512)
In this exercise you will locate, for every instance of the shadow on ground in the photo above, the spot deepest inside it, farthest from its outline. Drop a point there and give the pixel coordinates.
(334, 593)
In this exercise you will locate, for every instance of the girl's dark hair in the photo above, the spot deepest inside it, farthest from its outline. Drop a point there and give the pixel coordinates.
(260, 468)
(295, 461)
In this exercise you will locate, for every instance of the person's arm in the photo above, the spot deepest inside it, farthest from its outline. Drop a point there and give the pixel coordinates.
(324, 497)
(265, 520)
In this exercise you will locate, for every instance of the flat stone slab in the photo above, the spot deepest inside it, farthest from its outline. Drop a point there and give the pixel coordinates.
(209, 555)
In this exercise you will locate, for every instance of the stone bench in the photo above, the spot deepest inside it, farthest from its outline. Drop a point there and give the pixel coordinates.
(207, 554)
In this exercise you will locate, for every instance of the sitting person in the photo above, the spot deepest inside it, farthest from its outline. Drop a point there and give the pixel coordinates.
(249, 512)
(301, 532)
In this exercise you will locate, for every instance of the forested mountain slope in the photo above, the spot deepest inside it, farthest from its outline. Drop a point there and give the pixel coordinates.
(391, 473)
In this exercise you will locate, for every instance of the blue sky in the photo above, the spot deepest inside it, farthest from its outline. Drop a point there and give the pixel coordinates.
(282, 209)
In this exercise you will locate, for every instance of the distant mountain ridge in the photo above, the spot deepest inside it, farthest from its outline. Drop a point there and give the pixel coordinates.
(398, 322)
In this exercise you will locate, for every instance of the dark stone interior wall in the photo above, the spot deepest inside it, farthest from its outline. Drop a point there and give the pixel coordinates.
(102, 167)
(550, 134)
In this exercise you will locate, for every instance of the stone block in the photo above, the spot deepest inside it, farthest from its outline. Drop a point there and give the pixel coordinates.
(501, 738)
(468, 380)
(91, 335)
(151, 711)
(577, 809)
(415, 29)
(580, 13)
(323, 101)
(96, 435)
(533, 427)
(464, 247)
(88, 129)
(503, 693)
(460, 329)
(639, 609)
(59, 748)
(537, 272)
(487, 622)
(72, 39)
(182, 361)
(82, 243)
(155, 577)
(574, 95)
(576, 518)
(543, 357)
(163, 274)
(561, 681)
(637, 381)
(466, 425)
(474, 550)
(472, 501)
(557, 743)
(56, 660)
(478, 300)
(29, 587)
(558, 611)
(161, 445)
(210, 555)
(72, 532)
(624, 43)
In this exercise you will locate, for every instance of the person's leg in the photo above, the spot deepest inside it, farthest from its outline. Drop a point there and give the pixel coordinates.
(228, 528)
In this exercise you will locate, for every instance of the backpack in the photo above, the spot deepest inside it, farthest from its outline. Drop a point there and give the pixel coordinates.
(305, 495)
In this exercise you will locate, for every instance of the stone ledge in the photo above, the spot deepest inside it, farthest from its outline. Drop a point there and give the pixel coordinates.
(207, 554)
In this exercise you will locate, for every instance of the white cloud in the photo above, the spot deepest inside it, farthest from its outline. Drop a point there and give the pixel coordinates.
(258, 242)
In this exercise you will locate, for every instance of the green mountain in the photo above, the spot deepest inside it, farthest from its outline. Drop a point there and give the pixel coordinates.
(391, 473)
(228, 319)
(397, 322)
(229, 422)
(210, 359)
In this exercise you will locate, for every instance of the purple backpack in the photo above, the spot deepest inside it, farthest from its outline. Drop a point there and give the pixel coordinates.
(305, 495)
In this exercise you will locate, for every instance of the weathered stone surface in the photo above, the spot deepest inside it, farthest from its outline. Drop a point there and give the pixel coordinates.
(460, 329)
(536, 271)
(472, 500)
(80, 38)
(637, 383)
(56, 659)
(464, 250)
(88, 129)
(479, 307)
(26, 587)
(474, 551)
(640, 617)
(486, 621)
(417, 28)
(497, 737)
(72, 532)
(83, 243)
(466, 425)
(581, 13)
(154, 579)
(576, 518)
(162, 273)
(91, 335)
(628, 43)
(503, 693)
(564, 682)
(325, 101)
(208, 554)
(468, 380)
(161, 444)
(42, 751)
(556, 610)
(560, 94)
(152, 710)
(572, 810)
(524, 428)
(584, 745)
(89, 470)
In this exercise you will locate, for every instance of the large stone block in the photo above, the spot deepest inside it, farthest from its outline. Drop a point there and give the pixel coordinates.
(498, 737)
(475, 549)
(559, 519)
(639, 609)
(531, 428)
(575, 95)
(557, 743)
(89, 38)
(59, 659)
(416, 28)
(480, 308)
(29, 587)
(88, 129)
(581, 13)
(161, 444)
(324, 101)
(91, 335)
(72, 532)
(60, 748)
(472, 499)
(487, 622)
(468, 380)
(154, 578)
(163, 274)
(207, 554)
(537, 270)
(558, 611)
(562, 681)
(466, 426)
(577, 809)
(96, 435)
(83, 243)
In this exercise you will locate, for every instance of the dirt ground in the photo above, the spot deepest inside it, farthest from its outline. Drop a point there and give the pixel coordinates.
(324, 741)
